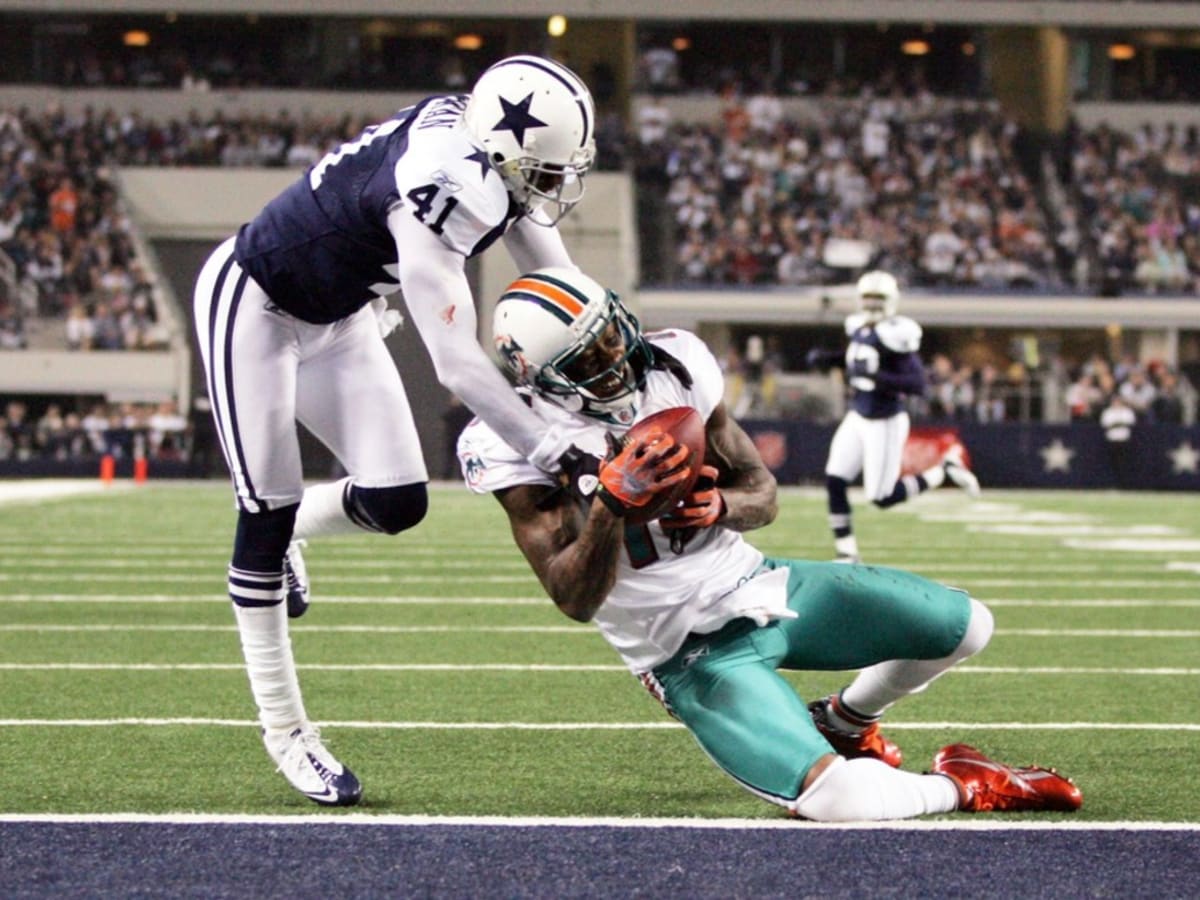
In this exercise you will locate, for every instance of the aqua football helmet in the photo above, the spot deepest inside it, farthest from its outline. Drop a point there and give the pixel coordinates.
(536, 121)
(573, 342)
(877, 295)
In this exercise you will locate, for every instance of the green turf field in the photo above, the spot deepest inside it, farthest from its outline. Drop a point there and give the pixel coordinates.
(444, 677)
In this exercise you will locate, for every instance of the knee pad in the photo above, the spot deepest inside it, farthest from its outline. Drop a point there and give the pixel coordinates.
(388, 510)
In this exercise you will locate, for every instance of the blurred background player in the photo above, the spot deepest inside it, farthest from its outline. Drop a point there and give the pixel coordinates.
(882, 368)
(698, 614)
(290, 319)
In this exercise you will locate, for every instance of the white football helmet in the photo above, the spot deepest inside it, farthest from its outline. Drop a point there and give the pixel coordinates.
(536, 121)
(543, 326)
(878, 295)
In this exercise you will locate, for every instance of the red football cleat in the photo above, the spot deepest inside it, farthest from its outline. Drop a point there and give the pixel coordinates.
(868, 742)
(986, 785)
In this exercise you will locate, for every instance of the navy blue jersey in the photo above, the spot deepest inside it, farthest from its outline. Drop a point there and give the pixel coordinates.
(322, 249)
(882, 364)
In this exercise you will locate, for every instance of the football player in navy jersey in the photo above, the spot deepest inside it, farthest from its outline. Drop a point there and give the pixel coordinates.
(882, 368)
(290, 320)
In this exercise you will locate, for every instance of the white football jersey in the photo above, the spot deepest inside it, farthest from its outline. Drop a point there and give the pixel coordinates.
(659, 597)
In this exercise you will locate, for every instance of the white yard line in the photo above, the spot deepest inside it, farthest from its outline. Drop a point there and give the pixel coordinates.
(552, 629)
(218, 596)
(535, 668)
(581, 726)
(39, 490)
(361, 819)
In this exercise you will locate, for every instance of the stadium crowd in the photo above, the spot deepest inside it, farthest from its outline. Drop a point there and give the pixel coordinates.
(940, 190)
(58, 431)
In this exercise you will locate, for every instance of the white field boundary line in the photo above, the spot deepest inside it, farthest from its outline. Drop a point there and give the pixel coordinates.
(360, 819)
(583, 630)
(580, 726)
(344, 579)
(398, 579)
(72, 560)
(218, 596)
(360, 600)
(534, 668)
(1157, 583)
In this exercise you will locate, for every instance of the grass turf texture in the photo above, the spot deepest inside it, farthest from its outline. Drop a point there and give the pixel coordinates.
(112, 607)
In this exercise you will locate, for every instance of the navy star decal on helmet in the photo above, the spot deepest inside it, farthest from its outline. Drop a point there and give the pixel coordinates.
(536, 121)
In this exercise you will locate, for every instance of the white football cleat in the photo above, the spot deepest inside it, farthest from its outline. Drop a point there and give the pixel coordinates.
(957, 472)
(311, 769)
(295, 575)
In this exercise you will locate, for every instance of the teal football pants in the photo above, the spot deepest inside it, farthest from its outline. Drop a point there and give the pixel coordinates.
(725, 688)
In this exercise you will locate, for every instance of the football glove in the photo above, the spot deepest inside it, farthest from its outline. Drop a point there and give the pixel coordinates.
(699, 509)
(642, 469)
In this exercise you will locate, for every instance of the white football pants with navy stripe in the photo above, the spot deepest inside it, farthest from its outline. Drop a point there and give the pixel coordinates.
(874, 447)
(267, 370)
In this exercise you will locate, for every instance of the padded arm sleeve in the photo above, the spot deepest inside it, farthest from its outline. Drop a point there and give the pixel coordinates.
(533, 246)
(440, 305)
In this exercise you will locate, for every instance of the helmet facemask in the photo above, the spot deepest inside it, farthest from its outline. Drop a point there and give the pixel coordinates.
(574, 342)
(878, 295)
(537, 184)
(611, 393)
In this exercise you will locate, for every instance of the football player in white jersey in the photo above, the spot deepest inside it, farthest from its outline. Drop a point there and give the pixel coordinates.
(697, 613)
(882, 368)
(291, 316)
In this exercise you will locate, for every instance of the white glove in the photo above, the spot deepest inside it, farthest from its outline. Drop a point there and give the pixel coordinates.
(386, 318)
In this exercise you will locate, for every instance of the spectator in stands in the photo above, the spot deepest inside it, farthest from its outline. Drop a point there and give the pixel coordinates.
(167, 430)
(19, 431)
(79, 330)
(1084, 397)
(1167, 405)
(12, 328)
(1138, 392)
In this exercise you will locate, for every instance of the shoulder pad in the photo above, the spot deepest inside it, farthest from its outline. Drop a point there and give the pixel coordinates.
(854, 321)
(899, 334)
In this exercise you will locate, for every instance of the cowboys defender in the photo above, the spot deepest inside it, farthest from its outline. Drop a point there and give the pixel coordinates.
(290, 319)
(882, 367)
(699, 614)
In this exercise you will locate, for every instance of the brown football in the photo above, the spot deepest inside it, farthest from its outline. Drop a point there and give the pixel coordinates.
(685, 425)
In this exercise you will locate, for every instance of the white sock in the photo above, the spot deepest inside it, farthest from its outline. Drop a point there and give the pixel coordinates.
(878, 687)
(269, 664)
(865, 789)
(846, 546)
(322, 513)
(934, 476)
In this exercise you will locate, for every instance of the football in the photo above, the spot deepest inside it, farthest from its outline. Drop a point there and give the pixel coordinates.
(685, 425)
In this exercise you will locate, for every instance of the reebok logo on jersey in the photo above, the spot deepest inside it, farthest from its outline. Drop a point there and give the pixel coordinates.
(443, 180)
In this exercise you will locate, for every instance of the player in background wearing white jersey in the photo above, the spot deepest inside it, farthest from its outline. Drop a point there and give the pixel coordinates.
(882, 368)
(290, 316)
(696, 612)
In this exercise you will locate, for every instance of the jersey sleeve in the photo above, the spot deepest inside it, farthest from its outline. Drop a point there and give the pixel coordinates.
(460, 198)
(489, 464)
